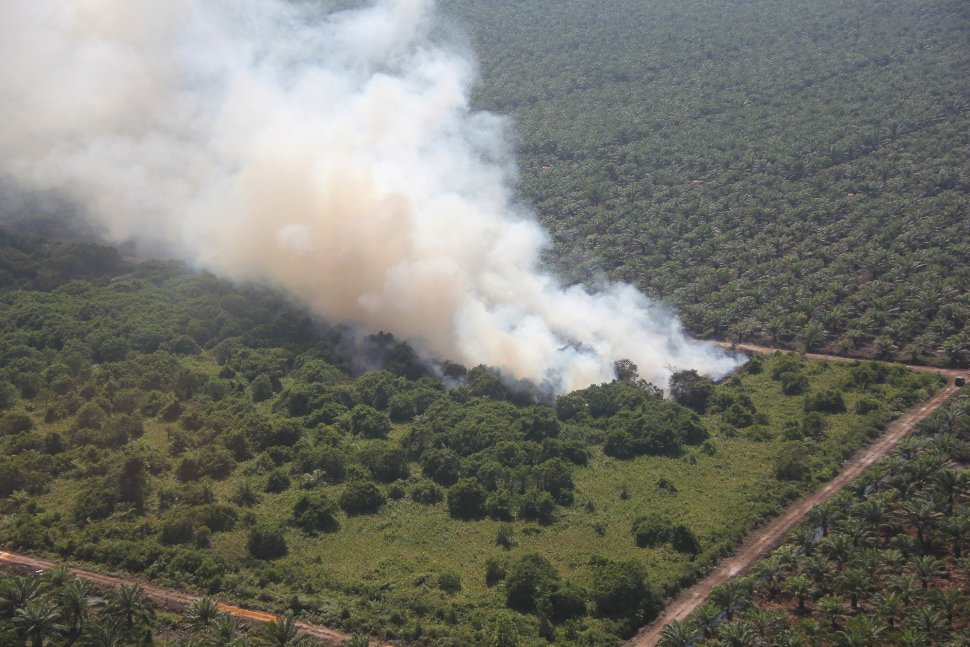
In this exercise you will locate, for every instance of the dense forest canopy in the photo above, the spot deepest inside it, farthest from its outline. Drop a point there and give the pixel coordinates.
(784, 171)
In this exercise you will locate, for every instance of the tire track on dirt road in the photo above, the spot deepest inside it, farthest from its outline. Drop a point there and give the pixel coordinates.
(761, 541)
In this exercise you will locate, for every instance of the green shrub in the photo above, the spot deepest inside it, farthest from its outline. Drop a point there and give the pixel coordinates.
(450, 583)
(689, 389)
(494, 571)
(8, 395)
(793, 383)
(443, 466)
(505, 536)
(315, 512)
(683, 540)
(180, 530)
(466, 499)
(537, 506)
(427, 493)
(620, 589)
(529, 579)
(277, 481)
(813, 425)
(367, 422)
(651, 530)
(361, 497)
(15, 422)
(829, 401)
(565, 600)
(790, 464)
(385, 461)
(266, 542)
(500, 505)
(219, 517)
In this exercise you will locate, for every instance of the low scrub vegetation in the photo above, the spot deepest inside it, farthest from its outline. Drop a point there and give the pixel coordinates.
(256, 462)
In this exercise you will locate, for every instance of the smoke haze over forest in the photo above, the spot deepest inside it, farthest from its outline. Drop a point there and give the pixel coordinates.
(334, 156)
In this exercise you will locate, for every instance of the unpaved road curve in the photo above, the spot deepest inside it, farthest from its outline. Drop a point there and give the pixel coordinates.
(170, 598)
(770, 536)
(765, 350)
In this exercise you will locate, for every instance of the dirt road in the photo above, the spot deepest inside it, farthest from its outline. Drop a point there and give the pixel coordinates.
(765, 350)
(170, 598)
(769, 537)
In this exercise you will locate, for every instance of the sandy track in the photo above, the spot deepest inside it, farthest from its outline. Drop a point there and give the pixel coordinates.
(765, 539)
(169, 598)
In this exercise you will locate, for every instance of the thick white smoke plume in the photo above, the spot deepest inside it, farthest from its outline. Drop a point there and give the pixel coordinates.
(333, 155)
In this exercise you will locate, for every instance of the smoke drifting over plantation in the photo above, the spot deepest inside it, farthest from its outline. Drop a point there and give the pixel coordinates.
(334, 156)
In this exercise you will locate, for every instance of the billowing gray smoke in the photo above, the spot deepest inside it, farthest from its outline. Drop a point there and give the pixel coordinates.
(332, 155)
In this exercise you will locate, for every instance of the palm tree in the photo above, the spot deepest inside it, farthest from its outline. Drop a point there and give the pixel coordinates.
(707, 618)
(131, 606)
(824, 515)
(37, 619)
(904, 544)
(246, 494)
(951, 414)
(875, 512)
(806, 537)
(853, 583)
(75, 599)
(837, 548)
(788, 556)
(857, 531)
(830, 606)
(892, 560)
(925, 568)
(861, 631)
(730, 597)
(921, 515)
(57, 575)
(950, 483)
(766, 622)
(890, 606)
(901, 585)
(105, 634)
(948, 601)
(811, 335)
(910, 637)
(356, 641)
(869, 560)
(770, 571)
(202, 613)
(811, 629)
(956, 529)
(798, 586)
(818, 570)
(282, 632)
(678, 634)
(224, 629)
(737, 634)
(18, 592)
(926, 621)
